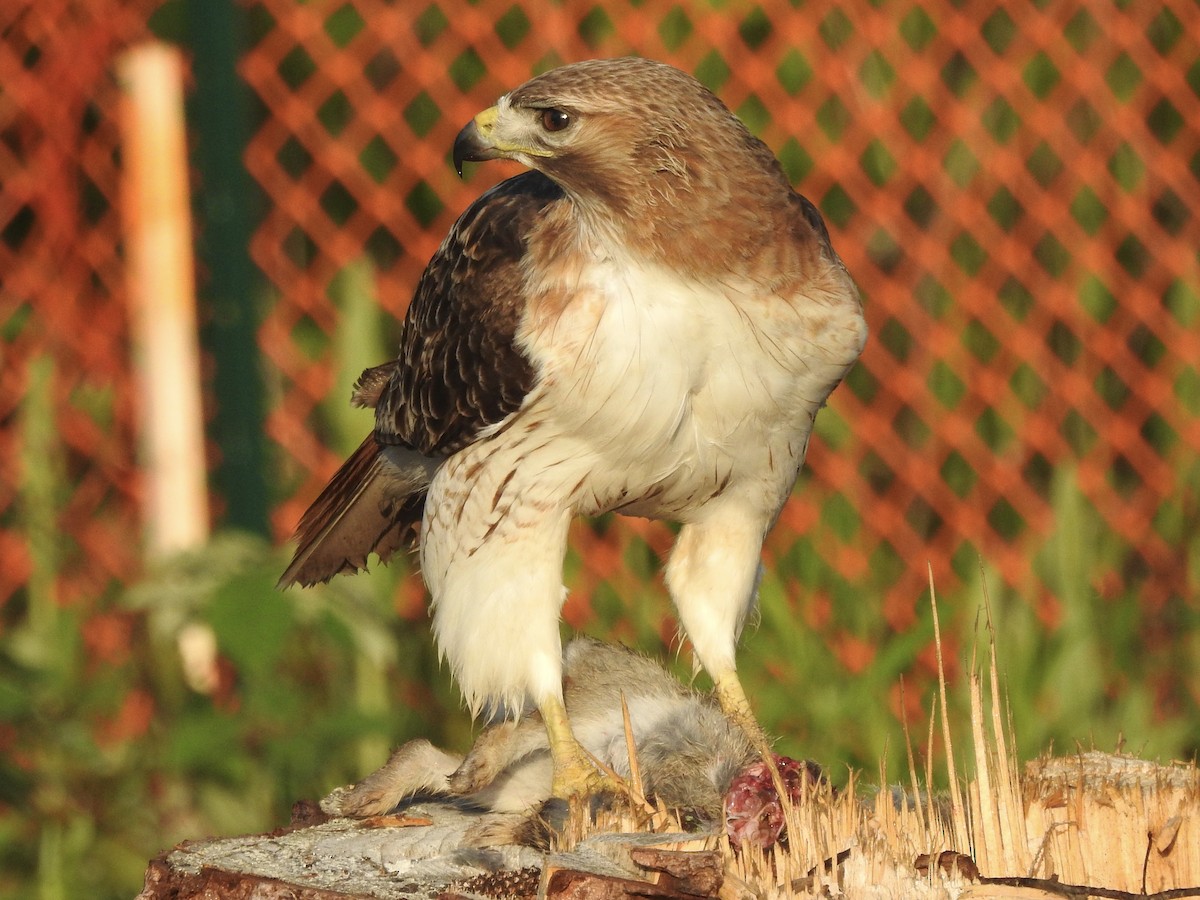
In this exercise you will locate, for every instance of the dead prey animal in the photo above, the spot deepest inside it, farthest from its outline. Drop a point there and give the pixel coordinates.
(692, 758)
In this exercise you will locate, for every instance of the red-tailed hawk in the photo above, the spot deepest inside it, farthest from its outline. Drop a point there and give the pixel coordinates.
(646, 323)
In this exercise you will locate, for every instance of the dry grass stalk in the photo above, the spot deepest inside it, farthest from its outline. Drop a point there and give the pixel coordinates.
(997, 813)
(958, 810)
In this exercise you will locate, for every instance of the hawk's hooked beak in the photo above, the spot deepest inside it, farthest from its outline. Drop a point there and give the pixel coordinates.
(474, 143)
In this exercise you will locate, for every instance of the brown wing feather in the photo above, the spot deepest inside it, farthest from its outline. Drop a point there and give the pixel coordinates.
(366, 508)
(459, 369)
(370, 385)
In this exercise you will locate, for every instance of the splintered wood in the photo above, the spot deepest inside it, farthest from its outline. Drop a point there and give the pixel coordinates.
(614, 867)
(1115, 821)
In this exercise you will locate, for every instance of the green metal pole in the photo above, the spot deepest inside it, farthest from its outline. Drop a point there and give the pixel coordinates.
(219, 113)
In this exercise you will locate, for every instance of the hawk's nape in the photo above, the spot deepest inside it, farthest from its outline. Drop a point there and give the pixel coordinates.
(648, 323)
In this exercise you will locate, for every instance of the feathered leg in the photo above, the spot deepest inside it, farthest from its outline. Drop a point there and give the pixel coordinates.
(492, 556)
(712, 576)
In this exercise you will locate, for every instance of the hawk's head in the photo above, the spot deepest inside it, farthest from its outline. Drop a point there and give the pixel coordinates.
(629, 134)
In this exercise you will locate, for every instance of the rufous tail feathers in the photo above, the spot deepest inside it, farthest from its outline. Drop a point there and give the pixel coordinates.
(373, 504)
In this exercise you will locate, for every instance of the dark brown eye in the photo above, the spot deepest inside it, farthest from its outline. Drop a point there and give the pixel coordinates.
(555, 119)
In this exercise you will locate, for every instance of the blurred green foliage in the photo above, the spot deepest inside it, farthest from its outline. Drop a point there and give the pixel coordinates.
(113, 757)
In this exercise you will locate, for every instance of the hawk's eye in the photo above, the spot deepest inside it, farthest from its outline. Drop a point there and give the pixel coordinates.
(555, 119)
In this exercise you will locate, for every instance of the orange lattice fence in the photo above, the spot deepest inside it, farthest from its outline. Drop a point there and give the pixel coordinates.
(67, 475)
(1014, 189)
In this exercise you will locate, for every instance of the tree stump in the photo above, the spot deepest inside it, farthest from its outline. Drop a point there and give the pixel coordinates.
(1088, 825)
(425, 853)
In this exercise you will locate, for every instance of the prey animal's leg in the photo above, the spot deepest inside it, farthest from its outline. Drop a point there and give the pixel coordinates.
(497, 748)
(417, 767)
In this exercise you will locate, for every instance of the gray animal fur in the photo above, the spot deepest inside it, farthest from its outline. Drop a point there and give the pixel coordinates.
(687, 750)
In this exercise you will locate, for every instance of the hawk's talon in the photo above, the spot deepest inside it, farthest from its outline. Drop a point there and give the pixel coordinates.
(577, 777)
(576, 774)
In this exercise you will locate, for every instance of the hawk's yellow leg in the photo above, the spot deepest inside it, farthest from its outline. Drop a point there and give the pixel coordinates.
(575, 775)
(736, 706)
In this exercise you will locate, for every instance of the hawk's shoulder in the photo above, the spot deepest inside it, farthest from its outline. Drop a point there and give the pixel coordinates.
(459, 369)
